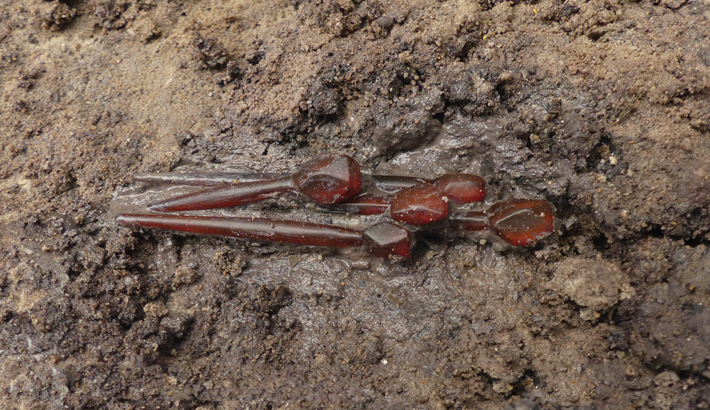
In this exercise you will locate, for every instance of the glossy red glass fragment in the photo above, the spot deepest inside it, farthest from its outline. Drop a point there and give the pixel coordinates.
(225, 197)
(386, 240)
(419, 205)
(522, 222)
(329, 180)
(363, 204)
(462, 188)
(261, 229)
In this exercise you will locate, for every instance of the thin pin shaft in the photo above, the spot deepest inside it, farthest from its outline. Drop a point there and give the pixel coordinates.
(395, 183)
(202, 178)
(363, 204)
(470, 221)
(387, 183)
(260, 229)
(226, 196)
(326, 180)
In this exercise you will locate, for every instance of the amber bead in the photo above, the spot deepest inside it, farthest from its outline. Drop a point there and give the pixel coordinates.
(329, 180)
(386, 239)
(522, 222)
(419, 205)
(462, 188)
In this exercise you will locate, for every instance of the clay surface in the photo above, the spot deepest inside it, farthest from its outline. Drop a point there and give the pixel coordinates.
(601, 107)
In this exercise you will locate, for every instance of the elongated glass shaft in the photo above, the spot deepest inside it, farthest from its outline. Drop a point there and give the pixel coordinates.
(260, 229)
(225, 197)
(386, 183)
(204, 178)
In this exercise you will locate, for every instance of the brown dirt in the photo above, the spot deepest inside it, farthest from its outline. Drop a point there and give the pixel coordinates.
(602, 107)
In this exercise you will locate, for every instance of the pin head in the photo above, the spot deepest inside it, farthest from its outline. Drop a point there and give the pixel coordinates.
(330, 179)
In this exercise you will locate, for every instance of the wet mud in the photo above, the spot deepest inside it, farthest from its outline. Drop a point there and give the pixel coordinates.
(602, 108)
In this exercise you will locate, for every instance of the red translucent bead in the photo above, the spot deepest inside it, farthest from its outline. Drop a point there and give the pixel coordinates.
(462, 188)
(386, 239)
(522, 222)
(329, 180)
(419, 205)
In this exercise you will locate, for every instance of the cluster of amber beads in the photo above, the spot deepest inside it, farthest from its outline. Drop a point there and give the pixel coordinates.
(335, 182)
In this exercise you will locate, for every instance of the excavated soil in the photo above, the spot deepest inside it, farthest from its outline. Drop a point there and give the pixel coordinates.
(600, 107)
